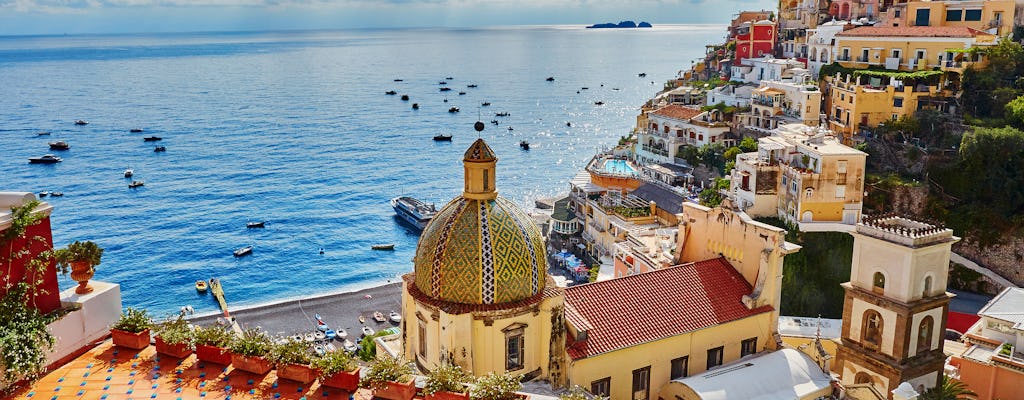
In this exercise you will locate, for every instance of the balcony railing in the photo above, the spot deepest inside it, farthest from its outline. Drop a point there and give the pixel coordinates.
(651, 149)
(843, 58)
(862, 59)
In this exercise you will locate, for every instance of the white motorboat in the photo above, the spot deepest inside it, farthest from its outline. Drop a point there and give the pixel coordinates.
(367, 331)
(349, 346)
(396, 317)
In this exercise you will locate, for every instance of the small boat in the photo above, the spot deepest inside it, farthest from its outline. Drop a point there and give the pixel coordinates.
(472, 85)
(502, 114)
(43, 134)
(442, 83)
(362, 319)
(461, 93)
(510, 128)
(152, 138)
(379, 316)
(81, 122)
(349, 346)
(600, 103)
(367, 331)
(44, 193)
(329, 347)
(201, 286)
(445, 89)
(342, 334)
(389, 246)
(297, 338)
(319, 350)
(568, 124)
(135, 184)
(584, 88)
(405, 97)
(550, 79)
(59, 145)
(413, 211)
(615, 88)
(442, 138)
(396, 317)
(398, 80)
(243, 251)
(135, 130)
(453, 110)
(46, 159)
(415, 106)
(642, 74)
(330, 334)
(309, 337)
(494, 121)
(318, 336)
(485, 104)
(449, 78)
(390, 92)
(258, 224)
(524, 144)
(159, 149)
(129, 172)
(56, 194)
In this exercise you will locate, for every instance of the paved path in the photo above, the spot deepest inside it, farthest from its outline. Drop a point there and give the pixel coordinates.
(339, 310)
(984, 271)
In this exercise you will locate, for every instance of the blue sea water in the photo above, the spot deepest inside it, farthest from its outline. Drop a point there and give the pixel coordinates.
(294, 128)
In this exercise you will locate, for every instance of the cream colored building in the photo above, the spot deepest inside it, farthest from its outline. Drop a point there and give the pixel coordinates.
(800, 174)
(992, 16)
(907, 48)
(865, 102)
(673, 126)
(778, 102)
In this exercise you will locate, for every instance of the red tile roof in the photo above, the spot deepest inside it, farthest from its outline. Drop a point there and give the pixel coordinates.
(913, 31)
(646, 307)
(677, 111)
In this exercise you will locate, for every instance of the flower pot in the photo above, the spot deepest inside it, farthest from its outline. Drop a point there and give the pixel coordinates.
(82, 272)
(177, 350)
(256, 365)
(447, 396)
(345, 380)
(397, 391)
(214, 354)
(295, 372)
(137, 341)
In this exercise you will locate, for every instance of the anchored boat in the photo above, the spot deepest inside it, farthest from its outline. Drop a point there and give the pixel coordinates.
(413, 211)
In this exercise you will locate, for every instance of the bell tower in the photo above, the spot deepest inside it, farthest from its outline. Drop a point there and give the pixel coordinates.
(894, 314)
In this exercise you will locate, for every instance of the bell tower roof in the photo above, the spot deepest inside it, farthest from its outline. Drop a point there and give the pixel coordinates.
(479, 151)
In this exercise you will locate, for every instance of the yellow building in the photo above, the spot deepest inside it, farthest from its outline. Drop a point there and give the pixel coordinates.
(907, 48)
(865, 101)
(993, 16)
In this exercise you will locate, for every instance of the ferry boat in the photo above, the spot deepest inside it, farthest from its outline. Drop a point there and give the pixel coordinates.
(413, 211)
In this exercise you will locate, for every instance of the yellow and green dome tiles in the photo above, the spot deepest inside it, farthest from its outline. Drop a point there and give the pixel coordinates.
(480, 252)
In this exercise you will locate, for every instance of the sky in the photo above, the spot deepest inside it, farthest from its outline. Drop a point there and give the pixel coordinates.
(48, 17)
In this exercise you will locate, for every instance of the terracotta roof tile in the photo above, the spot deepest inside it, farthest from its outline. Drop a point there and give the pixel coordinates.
(913, 31)
(677, 111)
(642, 308)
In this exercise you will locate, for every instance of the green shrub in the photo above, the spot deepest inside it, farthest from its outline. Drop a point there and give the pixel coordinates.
(334, 362)
(133, 320)
(290, 351)
(176, 331)
(252, 343)
(496, 387)
(386, 369)
(446, 378)
(214, 335)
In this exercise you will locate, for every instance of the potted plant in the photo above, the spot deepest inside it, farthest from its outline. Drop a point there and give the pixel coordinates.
(390, 378)
(132, 329)
(174, 337)
(212, 344)
(447, 382)
(292, 359)
(337, 370)
(82, 257)
(249, 350)
(497, 387)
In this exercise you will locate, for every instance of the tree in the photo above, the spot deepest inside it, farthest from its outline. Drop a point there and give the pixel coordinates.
(712, 195)
(949, 390)
(1015, 112)
(731, 153)
(748, 144)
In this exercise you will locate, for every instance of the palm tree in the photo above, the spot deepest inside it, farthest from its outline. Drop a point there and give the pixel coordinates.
(949, 390)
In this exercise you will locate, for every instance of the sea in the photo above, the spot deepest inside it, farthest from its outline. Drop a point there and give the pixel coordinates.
(295, 129)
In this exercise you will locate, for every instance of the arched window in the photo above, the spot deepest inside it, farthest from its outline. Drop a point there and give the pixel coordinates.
(924, 334)
(665, 128)
(808, 192)
(654, 126)
(871, 329)
(878, 283)
(861, 377)
(927, 286)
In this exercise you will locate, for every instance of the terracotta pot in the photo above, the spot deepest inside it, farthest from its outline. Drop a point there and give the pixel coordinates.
(447, 396)
(298, 373)
(179, 350)
(397, 391)
(256, 365)
(130, 340)
(214, 354)
(345, 380)
(82, 272)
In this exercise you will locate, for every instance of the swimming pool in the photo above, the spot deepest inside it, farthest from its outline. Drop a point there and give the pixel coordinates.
(619, 167)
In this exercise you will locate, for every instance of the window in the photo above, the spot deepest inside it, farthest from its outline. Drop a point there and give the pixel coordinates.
(840, 192)
(514, 351)
(422, 336)
(923, 15)
(642, 383)
(784, 182)
(927, 286)
(921, 54)
(924, 334)
(601, 387)
(485, 179)
(715, 356)
(878, 282)
(745, 183)
(748, 347)
(861, 377)
(809, 192)
(954, 15)
(700, 137)
(680, 367)
(895, 53)
(655, 127)
(896, 13)
(972, 15)
(872, 328)
(897, 102)
(665, 128)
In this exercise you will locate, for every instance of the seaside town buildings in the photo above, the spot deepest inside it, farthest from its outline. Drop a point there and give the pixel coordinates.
(796, 99)
(992, 365)
(673, 126)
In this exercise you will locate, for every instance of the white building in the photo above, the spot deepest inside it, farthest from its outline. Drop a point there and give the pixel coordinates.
(821, 45)
(779, 102)
(755, 70)
(731, 95)
(672, 126)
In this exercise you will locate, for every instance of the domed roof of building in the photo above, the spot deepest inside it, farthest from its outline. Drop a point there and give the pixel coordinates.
(480, 248)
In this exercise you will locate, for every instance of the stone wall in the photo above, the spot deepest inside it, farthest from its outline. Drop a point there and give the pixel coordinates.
(1005, 259)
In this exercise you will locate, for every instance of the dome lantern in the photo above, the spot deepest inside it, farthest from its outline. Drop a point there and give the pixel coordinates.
(479, 163)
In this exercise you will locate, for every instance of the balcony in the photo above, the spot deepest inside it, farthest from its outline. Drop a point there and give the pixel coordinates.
(654, 150)
(862, 59)
(843, 58)
(893, 63)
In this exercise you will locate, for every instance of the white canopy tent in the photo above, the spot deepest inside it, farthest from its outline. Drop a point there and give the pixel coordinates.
(785, 374)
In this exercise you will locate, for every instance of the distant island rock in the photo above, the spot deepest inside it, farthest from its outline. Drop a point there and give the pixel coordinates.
(623, 24)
